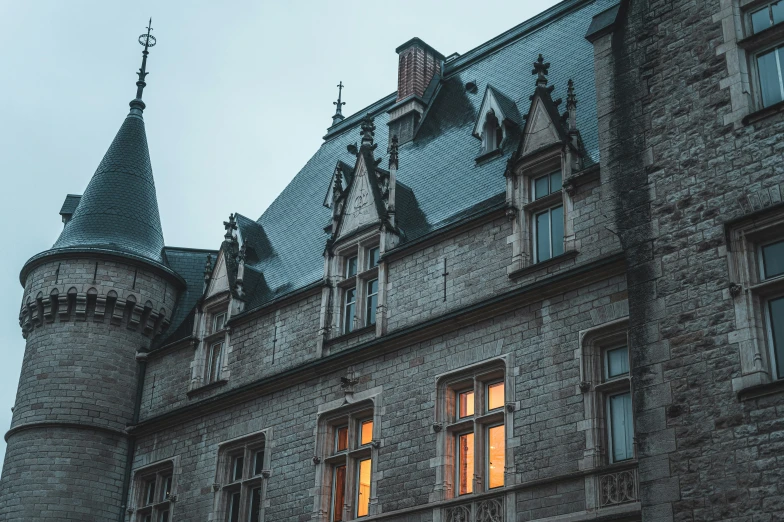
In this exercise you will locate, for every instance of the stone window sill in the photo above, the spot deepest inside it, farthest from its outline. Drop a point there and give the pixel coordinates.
(207, 387)
(761, 390)
(543, 264)
(761, 114)
(488, 155)
(355, 333)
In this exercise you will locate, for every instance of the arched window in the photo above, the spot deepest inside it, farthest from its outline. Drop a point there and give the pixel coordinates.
(492, 134)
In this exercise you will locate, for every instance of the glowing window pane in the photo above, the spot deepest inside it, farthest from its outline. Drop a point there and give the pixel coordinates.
(495, 395)
(465, 464)
(495, 456)
(617, 362)
(466, 404)
(338, 493)
(363, 488)
(366, 432)
(341, 438)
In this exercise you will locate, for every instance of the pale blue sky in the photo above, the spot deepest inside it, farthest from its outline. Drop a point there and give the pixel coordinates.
(239, 95)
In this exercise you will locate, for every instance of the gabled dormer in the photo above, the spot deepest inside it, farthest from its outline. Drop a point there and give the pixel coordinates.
(362, 230)
(497, 117)
(540, 185)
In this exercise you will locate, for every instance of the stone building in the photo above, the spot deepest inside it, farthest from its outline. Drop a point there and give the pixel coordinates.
(493, 303)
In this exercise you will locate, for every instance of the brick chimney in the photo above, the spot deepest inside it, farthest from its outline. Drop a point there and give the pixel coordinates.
(419, 67)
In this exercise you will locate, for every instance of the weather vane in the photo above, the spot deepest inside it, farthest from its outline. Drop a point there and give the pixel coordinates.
(147, 40)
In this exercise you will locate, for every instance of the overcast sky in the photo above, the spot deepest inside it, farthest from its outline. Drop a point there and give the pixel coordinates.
(238, 97)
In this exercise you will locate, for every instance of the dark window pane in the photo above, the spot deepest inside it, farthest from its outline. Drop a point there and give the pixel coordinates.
(777, 333)
(338, 493)
(164, 516)
(556, 215)
(621, 427)
(349, 311)
(255, 505)
(236, 473)
(149, 492)
(166, 490)
(258, 462)
(778, 12)
(541, 187)
(351, 267)
(555, 181)
(760, 20)
(770, 77)
(617, 362)
(147, 518)
(372, 302)
(234, 507)
(372, 258)
(773, 259)
(542, 236)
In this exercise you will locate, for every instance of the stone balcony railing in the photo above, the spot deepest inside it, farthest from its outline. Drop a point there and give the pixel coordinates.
(485, 510)
(618, 488)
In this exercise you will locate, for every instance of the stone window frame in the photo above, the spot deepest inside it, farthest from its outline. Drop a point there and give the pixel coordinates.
(140, 508)
(740, 48)
(520, 194)
(593, 344)
(364, 275)
(332, 415)
(225, 485)
(207, 338)
(750, 293)
(448, 426)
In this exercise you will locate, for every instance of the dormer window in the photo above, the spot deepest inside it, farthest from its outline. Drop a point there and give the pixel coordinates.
(492, 133)
(358, 293)
(218, 322)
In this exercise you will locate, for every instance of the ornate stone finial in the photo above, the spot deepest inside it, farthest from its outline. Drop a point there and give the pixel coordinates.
(393, 153)
(208, 268)
(540, 69)
(243, 252)
(337, 187)
(367, 132)
(230, 226)
(147, 40)
(338, 116)
(571, 106)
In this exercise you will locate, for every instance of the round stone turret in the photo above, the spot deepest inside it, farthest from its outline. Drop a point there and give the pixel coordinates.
(93, 305)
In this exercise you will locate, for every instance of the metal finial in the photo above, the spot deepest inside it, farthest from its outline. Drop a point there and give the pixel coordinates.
(540, 69)
(338, 116)
(393, 152)
(367, 132)
(147, 40)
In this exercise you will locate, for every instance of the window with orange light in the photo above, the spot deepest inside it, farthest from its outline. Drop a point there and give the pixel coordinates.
(474, 417)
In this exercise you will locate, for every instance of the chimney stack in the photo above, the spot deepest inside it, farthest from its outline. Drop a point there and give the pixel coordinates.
(419, 67)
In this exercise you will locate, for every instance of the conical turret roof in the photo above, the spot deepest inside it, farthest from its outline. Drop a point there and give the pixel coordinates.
(119, 209)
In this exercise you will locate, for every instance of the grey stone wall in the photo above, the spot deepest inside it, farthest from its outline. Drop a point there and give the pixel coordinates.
(547, 424)
(680, 175)
(67, 446)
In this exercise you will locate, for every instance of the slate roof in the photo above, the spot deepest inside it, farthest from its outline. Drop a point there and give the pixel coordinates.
(118, 211)
(189, 264)
(438, 169)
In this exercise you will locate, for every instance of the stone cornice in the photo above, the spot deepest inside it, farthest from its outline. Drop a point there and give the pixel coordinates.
(581, 275)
